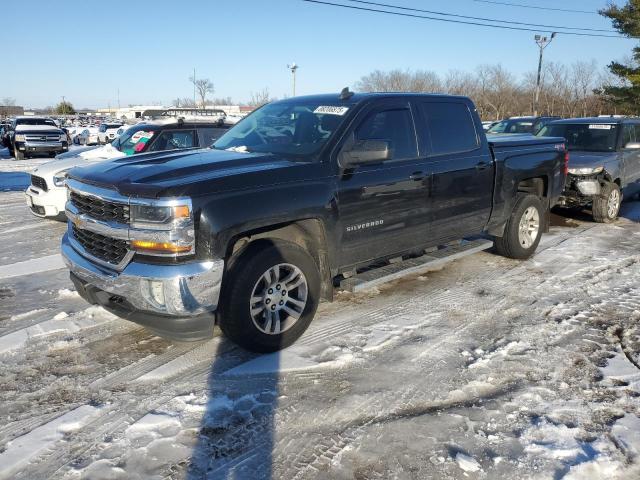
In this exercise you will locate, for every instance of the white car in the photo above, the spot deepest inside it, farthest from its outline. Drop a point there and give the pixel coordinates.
(86, 136)
(107, 132)
(47, 194)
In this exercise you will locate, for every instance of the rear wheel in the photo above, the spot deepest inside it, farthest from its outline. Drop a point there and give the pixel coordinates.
(606, 206)
(523, 230)
(271, 295)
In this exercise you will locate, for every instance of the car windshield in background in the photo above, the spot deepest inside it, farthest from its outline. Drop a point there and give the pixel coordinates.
(286, 128)
(35, 121)
(594, 137)
(512, 126)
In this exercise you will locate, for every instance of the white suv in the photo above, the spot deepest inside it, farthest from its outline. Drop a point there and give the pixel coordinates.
(107, 132)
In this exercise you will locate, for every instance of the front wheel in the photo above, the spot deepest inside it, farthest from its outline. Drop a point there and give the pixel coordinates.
(523, 230)
(18, 155)
(270, 297)
(606, 206)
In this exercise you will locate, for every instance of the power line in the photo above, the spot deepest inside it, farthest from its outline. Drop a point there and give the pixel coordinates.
(463, 22)
(508, 4)
(554, 27)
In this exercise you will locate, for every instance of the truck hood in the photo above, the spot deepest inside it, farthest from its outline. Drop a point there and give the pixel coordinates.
(37, 129)
(580, 159)
(191, 173)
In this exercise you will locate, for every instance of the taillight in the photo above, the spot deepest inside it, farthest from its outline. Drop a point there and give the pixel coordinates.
(566, 162)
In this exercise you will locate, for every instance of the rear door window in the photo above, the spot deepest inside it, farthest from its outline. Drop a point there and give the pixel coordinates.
(451, 127)
(207, 136)
(174, 140)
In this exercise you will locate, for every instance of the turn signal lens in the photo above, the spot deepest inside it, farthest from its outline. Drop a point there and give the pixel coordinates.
(143, 245)
(181, 212)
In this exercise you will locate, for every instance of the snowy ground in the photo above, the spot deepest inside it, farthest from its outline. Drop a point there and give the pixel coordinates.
(489, 368)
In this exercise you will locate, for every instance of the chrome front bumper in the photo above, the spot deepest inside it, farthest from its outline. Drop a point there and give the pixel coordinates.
(181, 290)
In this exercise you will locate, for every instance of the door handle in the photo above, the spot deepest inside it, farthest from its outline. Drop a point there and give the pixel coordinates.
(417, 176)
(482, 165)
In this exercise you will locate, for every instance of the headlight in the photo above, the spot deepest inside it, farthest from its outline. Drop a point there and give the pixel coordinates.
(60, 178)
(19, 137)
(147, 216)
(585, 171)
(165, 230)
(63, 138)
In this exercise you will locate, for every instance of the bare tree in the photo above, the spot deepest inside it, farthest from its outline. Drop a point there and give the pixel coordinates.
(260, 98)
(400, 81)
(564, 91)
(8, 102)
(204, 86)
(220, 101)
(184, 102)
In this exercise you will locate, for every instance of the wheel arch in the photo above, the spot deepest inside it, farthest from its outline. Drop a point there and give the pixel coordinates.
(309, 234)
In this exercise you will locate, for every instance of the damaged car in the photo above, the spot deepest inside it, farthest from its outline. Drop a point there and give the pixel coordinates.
(604, 165)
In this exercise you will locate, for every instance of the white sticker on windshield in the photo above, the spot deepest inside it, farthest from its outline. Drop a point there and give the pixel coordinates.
(600, 127)
(329, 110)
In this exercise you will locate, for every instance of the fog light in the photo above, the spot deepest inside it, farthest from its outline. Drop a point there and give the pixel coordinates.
(156, 289)
(589, 188)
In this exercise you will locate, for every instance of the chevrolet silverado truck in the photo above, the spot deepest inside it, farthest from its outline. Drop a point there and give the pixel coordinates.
(255, 231)
(605, 163)
(34, 135)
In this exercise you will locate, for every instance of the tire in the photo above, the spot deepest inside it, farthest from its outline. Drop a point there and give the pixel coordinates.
(246, 279)
(602, 210)
(517, 244)
(18, 155)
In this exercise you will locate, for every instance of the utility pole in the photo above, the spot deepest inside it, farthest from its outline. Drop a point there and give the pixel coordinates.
(543, 42)
(118, 98)
(293, 67)
(194, 88)
(64, 106)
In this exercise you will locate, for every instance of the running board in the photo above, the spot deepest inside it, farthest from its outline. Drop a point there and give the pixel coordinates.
(393, 271)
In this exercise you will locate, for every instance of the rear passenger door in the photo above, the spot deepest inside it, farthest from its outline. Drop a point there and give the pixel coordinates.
(383, 206)
(461, 168)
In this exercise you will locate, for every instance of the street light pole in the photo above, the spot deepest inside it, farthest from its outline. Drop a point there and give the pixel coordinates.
(543, 42)
(293, 67)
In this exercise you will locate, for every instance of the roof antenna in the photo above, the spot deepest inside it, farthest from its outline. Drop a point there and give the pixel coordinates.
(345, 94)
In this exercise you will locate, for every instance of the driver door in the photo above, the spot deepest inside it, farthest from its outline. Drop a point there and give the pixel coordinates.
(383, 206)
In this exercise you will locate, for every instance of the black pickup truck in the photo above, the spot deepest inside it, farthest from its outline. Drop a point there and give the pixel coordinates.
(254, 231)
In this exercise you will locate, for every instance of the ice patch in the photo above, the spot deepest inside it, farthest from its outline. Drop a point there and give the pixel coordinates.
(29, 267)
(91, 317)
(21, 450)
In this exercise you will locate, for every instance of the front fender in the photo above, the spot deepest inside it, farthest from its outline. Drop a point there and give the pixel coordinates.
(227, 216)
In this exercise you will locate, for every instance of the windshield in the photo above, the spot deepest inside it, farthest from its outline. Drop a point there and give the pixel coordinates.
(512, 126)
(584, 137)
(133, 140)
(36, 121)
(287, 128)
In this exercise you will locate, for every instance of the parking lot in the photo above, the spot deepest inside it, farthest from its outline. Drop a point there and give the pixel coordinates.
(487, 368)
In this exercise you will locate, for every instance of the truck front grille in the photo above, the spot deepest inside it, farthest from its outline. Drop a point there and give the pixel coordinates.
(39, 182)
(107, 249)
(45, 137)
(100, 209)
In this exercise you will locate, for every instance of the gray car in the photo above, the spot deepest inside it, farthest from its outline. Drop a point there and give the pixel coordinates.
(604, 163)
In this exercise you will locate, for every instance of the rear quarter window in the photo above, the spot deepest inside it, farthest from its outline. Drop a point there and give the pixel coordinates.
(451, 127)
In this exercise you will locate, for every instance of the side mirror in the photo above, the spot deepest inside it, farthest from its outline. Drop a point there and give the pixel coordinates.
(366, 151)
(632, 146)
